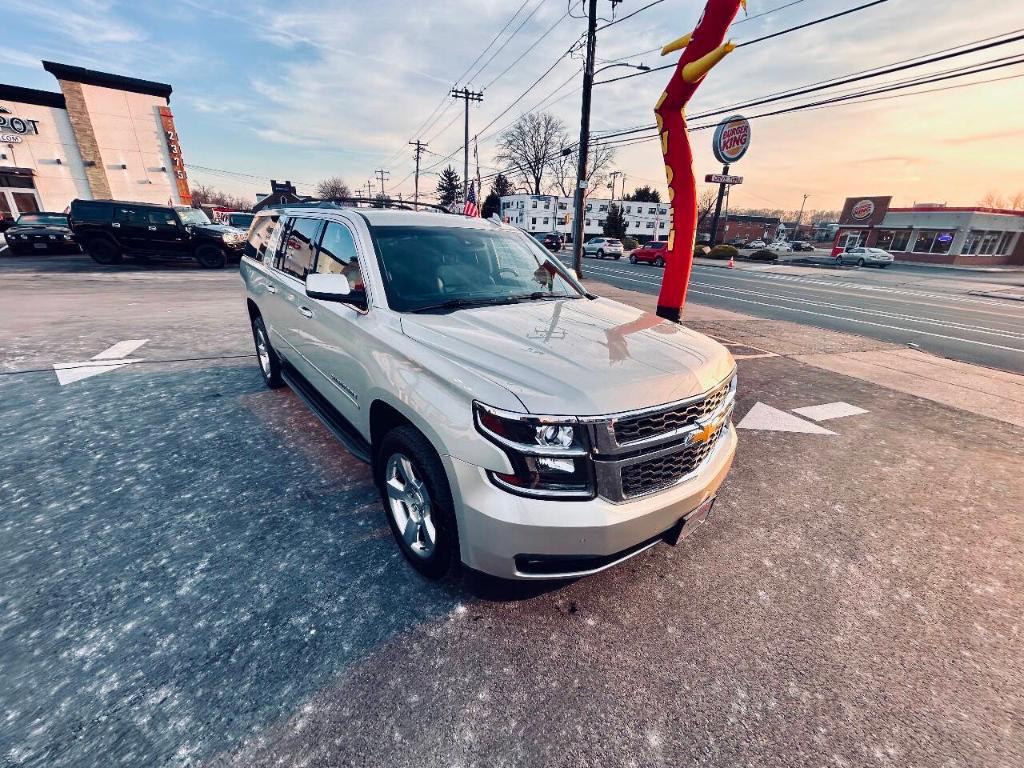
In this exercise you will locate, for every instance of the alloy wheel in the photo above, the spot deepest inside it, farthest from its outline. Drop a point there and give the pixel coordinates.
(409, 503)
(263, 352)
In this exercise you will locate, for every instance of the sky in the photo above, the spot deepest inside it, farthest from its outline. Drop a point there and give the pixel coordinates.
(304, 90)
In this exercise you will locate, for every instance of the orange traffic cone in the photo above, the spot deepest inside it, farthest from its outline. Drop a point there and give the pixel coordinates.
(731, 265)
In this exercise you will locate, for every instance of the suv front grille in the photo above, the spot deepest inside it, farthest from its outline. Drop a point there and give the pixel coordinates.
(637, 428)
(653, 475)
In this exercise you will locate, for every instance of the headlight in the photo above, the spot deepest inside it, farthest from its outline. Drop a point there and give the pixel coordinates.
(549, 455)
(233, 237)
(68, 237)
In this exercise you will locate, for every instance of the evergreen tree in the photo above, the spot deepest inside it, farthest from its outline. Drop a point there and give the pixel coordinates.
(449, 187)
(615, 223)
(644, 194)
(492, 205)
(501, 186)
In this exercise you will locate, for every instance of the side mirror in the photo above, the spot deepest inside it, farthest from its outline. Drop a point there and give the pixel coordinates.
(328, 287)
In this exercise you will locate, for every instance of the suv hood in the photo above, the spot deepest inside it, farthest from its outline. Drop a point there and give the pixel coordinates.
(575, 356)
(38, 229)
(217, 229)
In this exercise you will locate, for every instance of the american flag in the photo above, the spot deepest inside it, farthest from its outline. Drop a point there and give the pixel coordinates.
(471, 209)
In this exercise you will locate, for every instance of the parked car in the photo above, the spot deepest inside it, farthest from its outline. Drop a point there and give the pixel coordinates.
(865, 257)
(757, 244)
(108, 230)
(41, 232)
(802, 245)
(603, 247)
(413, 336)
(739, 242)
(238, 219)
(652, 253)
(551, 240)
(780, 246)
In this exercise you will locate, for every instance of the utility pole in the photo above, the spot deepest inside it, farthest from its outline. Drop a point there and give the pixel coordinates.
(383, 175)
(420, 147)
(796, 229)
(718, 206)
(614, 174)
(581, 168)
(467, 96)
(369, 189)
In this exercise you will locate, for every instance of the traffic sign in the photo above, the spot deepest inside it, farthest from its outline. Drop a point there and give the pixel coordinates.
(722, 178)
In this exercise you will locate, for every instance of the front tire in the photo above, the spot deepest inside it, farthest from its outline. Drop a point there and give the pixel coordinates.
(103, 251)
(632, 259)
(210, 257)
(418, 502)
(860, 262)
(266, 357)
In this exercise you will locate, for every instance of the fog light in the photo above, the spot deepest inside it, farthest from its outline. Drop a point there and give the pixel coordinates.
(556, 465)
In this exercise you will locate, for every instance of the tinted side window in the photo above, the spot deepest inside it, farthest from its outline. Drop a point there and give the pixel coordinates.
(264, 229)
(127, 215)
(296, 257)
(338, 255)
(162, 217)
(86, 210)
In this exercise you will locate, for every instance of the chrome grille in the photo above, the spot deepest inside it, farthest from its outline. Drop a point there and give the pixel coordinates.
(653, 475)
(637, 428)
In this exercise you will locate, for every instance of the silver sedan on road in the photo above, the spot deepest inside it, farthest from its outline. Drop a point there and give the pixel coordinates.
(863, 257)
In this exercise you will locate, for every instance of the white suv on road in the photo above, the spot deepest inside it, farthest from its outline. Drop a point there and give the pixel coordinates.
(513, 421)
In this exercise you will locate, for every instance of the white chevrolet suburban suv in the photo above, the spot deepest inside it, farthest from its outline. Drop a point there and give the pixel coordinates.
(513, 421)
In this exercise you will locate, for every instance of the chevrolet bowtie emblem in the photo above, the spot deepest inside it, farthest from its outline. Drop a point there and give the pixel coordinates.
(706, 431)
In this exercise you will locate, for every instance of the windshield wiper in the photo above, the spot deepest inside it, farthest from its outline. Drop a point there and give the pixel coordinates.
(464, 303)
(542, 296)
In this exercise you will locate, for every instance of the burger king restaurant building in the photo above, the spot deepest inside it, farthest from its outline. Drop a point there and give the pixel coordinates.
(100, 136)
(933, 234)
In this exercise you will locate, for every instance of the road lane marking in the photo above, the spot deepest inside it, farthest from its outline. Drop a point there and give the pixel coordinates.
(767, 419)
(828, 411)
(910, 331)
(112, 357)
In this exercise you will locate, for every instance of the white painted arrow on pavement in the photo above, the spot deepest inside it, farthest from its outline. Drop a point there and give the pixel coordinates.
(769, 419)
(109, 359)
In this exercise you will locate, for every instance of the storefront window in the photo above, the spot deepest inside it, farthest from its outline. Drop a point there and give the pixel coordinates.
(1004, 243)
(893, 239)
(933, 241)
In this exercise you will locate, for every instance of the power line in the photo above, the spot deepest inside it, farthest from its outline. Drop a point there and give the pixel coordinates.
(629, 15)
(756, 40)
(524, 53)
(495, 39)
(900, 66)
(508, 40)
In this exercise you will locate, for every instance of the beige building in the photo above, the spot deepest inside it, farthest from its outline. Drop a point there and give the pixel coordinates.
(101, 136)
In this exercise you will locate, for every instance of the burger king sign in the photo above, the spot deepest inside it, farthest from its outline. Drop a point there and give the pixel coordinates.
(732, 139)
(863, 209)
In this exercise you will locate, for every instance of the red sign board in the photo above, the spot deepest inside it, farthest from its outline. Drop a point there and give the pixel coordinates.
(174, 148)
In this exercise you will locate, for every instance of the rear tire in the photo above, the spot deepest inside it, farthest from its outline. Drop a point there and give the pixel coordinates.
(418, 502)
(210, 257)
(103, 251)
(600, 254)
(618, 257)
(659, 262)
(266, 357)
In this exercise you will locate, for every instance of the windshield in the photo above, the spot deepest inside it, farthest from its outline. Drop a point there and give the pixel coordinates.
(192, 216)
(43, 220)
(240, 220)
(442, 267)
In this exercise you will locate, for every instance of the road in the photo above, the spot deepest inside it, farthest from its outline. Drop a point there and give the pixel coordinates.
(197, 573)
(931, 308)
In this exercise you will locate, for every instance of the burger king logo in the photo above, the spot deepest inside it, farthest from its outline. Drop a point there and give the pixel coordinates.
(732, 139)
(863, 210)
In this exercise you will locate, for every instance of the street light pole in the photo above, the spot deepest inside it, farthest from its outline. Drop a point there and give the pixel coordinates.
(581, 166)
(799, 216)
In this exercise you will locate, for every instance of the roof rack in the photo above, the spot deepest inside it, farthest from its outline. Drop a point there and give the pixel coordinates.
(365, 202)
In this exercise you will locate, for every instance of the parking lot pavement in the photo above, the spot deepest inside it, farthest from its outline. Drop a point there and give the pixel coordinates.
(197, 574)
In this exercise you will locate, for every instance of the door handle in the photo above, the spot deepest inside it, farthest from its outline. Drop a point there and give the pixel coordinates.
(151, 228)
(115, 224)
(306, 311)
(271, 289)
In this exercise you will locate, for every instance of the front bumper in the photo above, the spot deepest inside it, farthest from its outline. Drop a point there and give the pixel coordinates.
(495, 527)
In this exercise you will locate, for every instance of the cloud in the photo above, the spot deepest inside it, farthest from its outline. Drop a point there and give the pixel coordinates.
(16, 58)
(1014, 133)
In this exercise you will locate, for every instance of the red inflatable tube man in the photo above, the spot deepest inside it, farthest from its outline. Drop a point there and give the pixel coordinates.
(702, 49)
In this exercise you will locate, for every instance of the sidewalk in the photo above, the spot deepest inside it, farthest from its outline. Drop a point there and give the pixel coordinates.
(983, 391)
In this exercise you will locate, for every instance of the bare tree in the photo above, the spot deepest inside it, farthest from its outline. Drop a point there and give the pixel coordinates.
(997, 200)
(705, 204)
(529, 146)
(333, 187)
(204, 194)
(599, 162)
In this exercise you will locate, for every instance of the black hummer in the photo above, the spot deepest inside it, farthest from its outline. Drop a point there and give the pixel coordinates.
(111, 229)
